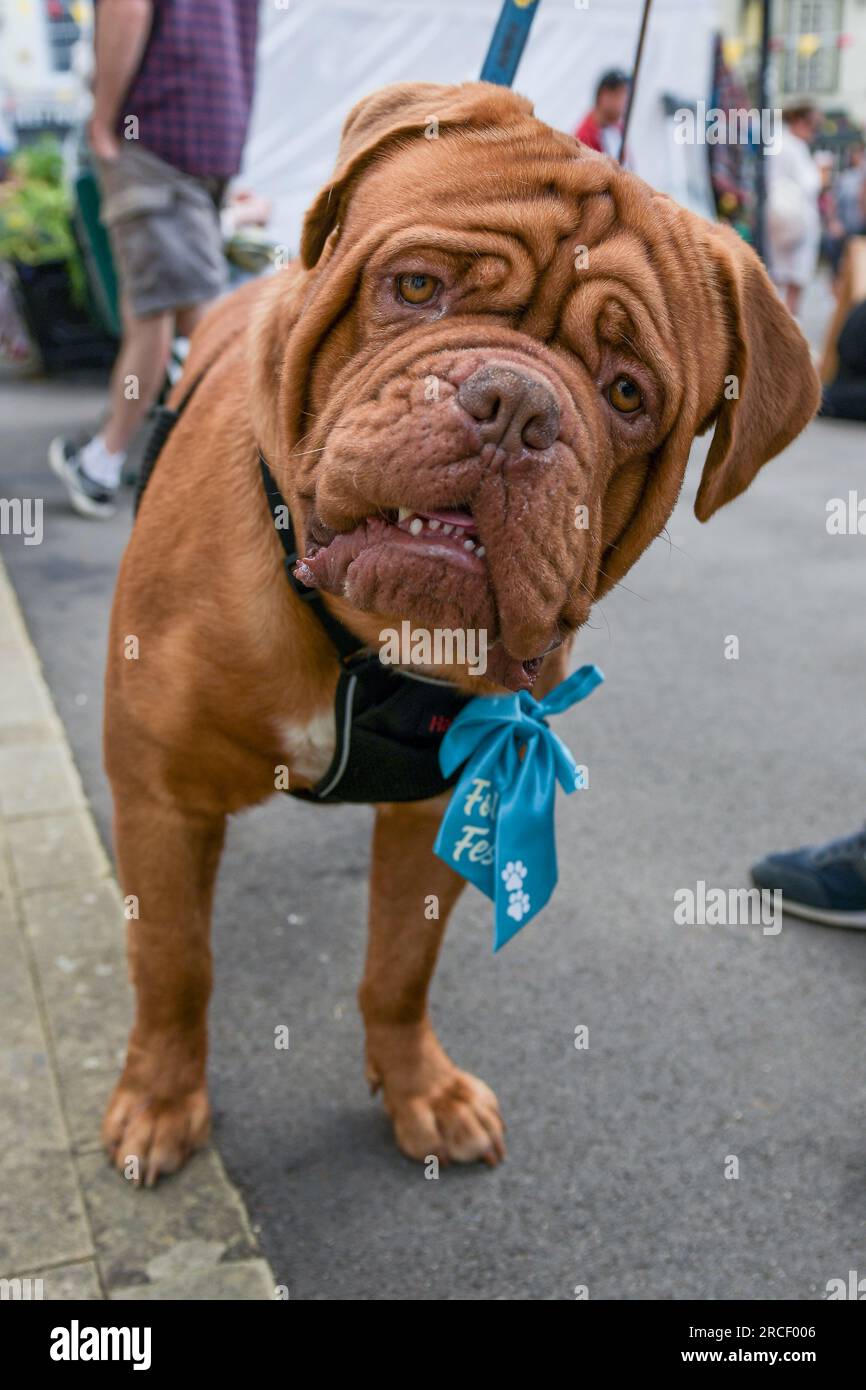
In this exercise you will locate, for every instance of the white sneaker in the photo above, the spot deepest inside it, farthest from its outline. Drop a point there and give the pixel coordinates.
(87, 497)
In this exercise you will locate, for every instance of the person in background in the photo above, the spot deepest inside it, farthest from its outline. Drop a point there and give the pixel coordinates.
(823, 883)
(793, 217)
(602, 127)
(832, 231)
(172, 93)
(851, 193)
(731, 162)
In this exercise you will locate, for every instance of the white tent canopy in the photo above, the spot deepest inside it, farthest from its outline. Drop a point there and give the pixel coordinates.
(318, 57)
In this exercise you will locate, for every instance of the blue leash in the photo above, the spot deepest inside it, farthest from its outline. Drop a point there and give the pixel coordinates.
(498, 828)
(509, 41)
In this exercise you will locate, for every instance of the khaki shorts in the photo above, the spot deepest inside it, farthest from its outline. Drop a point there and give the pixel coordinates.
(164, 229)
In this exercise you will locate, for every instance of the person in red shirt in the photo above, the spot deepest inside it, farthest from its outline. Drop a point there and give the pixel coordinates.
(602, 128)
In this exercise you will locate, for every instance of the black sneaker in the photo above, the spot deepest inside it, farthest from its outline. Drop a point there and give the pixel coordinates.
(89, 498)
(825, 883)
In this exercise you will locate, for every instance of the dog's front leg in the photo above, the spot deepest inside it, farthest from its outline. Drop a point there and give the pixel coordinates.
(159, 1113)
(436, 1109)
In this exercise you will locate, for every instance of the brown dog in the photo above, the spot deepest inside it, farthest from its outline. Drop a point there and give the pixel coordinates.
(489, 322)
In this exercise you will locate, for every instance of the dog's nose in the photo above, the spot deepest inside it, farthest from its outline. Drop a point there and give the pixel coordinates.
(513, 410)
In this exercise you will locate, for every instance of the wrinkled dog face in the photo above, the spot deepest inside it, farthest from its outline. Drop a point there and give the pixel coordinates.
(501, 359)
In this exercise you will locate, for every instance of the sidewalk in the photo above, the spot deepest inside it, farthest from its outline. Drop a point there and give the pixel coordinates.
(66, 1217)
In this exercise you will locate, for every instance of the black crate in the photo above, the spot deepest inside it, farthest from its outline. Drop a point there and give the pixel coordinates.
(63, 334)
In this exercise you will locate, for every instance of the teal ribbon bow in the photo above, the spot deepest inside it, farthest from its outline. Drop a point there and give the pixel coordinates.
(497, 830)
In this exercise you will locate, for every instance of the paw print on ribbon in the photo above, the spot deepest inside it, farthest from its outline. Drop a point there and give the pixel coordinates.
(513, 874)
(518, 905)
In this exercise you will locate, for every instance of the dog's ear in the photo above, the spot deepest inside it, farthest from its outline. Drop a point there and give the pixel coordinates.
(771, 387)
(402, 112)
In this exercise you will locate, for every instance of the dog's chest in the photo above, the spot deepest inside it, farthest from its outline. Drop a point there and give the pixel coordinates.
(309, 747)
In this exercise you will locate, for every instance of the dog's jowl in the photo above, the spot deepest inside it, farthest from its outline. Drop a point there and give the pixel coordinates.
(438, 388)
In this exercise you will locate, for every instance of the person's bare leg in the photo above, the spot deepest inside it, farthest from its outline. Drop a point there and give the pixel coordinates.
(188, 318)
(138, 375)
(793, 295)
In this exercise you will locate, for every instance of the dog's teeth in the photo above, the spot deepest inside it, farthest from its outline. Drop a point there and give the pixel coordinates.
(434, 524)
(446, 530)
(468, 545)
(416, 526)
(481, 552)
(404, 513)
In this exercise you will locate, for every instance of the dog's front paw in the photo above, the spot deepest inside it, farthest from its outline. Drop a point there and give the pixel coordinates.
(145, 1138)
(435, 1108)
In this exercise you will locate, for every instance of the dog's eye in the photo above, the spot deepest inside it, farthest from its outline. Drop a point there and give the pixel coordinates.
(625, 396)
(417, 289)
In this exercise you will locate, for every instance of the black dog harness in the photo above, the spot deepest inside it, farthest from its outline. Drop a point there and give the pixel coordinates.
(389, 722)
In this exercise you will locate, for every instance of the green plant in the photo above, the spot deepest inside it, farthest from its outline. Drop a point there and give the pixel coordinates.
(41, 162)
(35, 208)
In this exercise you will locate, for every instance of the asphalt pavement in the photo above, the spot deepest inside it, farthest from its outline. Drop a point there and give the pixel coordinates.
(706, 1043)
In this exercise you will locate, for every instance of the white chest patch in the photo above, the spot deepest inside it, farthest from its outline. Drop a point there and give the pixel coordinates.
(310, 747)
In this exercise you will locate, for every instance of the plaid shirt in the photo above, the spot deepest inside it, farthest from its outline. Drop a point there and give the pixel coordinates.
(193, 91)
